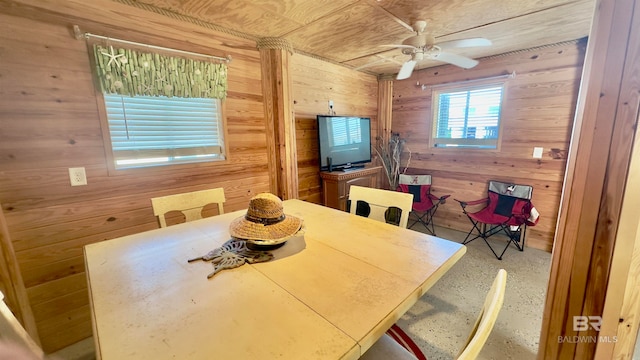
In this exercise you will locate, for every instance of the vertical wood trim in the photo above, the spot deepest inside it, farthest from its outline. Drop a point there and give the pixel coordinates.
(287, 131)
(270, 119)
(280, 117)
(385, 105)
(385, 119)
(595, 176)
(16, 293)
(622, 124)
(621, 314)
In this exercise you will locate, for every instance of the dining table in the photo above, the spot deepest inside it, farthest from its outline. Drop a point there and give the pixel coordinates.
(328, 293)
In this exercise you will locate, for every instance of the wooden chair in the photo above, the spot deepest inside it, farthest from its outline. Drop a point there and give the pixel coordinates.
(387, 348)
(12, 331)
(392, 207)
(190, 204)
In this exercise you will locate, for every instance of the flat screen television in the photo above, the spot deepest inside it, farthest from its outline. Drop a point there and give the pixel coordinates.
(344, 142)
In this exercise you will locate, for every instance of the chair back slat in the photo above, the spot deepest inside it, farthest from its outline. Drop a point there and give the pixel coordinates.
(379, 201)
(190, 204)
(487, 318)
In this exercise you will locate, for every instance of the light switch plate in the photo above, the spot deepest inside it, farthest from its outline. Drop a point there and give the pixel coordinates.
(537, 153)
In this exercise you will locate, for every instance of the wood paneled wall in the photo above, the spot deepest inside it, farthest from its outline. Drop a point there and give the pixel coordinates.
(49, 122)
(315, 82)
(538, 111)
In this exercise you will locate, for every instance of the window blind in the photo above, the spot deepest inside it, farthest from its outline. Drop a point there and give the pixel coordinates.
(468, 117)
(148, 130)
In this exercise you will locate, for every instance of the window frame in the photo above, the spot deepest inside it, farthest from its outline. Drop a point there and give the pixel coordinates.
(111, 161)
(465, 86)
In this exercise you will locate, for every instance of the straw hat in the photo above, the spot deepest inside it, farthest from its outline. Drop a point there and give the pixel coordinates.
(265, 220)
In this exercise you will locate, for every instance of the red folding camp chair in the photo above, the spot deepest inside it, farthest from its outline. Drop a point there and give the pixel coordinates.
(508, 211)
(425, 204)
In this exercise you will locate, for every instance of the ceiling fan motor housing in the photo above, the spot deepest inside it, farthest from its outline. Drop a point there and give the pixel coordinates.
(420, 41)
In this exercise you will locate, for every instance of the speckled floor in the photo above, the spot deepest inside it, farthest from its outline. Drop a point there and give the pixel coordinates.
(82, 350)
(442, 318)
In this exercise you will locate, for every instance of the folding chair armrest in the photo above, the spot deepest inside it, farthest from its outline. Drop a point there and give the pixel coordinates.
(474, 202)
(441, 200)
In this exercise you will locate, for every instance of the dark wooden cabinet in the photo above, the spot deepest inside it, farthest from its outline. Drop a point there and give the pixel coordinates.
(335, 184)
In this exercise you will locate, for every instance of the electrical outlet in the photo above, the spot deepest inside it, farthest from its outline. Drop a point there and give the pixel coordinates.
(77, 176)
(331, 104)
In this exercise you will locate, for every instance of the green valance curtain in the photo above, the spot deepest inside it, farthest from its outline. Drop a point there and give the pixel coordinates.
(132, 72)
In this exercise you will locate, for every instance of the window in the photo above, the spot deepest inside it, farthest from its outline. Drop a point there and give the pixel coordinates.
(159, 109)
(467, 117)
(160, 130)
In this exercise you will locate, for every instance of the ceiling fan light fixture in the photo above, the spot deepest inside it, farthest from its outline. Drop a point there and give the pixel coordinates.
(408, 51)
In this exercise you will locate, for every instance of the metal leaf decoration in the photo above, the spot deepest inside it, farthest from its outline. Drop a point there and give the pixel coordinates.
(232, 254)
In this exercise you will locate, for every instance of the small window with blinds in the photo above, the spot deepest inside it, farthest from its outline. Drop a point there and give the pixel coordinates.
(158, 130)
(467, 117)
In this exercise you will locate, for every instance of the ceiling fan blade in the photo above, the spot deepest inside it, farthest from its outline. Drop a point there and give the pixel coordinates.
(464, 43)
(458, 60)
(406, 70)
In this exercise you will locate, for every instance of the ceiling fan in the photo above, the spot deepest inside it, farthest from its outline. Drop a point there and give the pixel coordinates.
(423, 46)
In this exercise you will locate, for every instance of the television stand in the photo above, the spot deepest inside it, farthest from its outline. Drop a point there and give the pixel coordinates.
(336, 184)
(350, 168)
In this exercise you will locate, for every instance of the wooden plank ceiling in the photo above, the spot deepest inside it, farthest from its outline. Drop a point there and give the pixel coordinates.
(350, 32)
